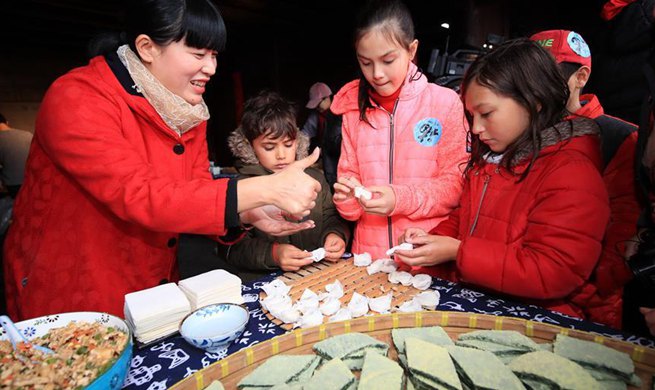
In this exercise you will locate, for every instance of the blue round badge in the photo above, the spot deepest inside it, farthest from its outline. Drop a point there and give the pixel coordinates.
(578, 45)
(427, 132)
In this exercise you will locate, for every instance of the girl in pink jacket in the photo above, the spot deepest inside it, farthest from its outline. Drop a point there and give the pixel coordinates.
(404, 139)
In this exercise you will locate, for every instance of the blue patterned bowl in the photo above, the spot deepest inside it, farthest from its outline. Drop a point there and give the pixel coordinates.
(114, 376)
(213, 327)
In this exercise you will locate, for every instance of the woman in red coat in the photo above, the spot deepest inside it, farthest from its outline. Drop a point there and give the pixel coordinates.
(534, 209)
(119, 167)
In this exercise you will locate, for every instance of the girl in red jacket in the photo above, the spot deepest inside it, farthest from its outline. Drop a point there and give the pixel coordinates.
(534, 209)
(404, 139)
(118, 168)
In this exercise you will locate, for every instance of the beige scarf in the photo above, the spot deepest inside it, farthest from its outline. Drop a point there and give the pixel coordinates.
(178, 114)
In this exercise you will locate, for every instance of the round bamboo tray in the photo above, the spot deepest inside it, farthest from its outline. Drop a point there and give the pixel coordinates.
(300, 341)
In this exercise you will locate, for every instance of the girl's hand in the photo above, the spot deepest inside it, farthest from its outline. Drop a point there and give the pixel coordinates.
(410, 234)
(344, 189)
(383, 201)
(290, 258)
(270, 220)
(649, 316)
(334, 247)
(429, 250)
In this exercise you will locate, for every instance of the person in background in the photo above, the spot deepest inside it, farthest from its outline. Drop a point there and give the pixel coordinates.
(404, 139)
(267, 141)
(14, 147)
(534, 209)
(324, 129)
(618, 142)
(119, 168)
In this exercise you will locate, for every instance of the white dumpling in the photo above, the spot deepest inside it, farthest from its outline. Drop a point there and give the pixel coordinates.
(402, 277)
(361, 192)
(429, 299)
(276, 287)
(330, 306)
(358, 305)
(362, 259)
(308, 301)
(410, 306)
(422, 281)
(388, 266)
(375, 267)
(405, 246)
(335, 290)
(309, 319)
(276, 303)
(288, 316)
(342, 315)
(381, 304)
(318, 254)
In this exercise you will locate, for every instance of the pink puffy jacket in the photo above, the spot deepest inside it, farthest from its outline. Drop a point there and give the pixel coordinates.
(419, 149)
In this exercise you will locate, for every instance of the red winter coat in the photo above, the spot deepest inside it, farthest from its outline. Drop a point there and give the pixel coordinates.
(108, 187)
(424, 172)
(537, 240)
(619, 143)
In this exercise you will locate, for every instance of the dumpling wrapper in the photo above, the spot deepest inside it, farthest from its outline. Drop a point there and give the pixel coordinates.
(405, 246)
(410, 306)
(362, 259)
(318, 254)
(276, 287)
(402, 277)
(361, 192)
(358, 305)
(428, 299)
(422, 281)
(342, 315)
(276, 302)
(335, 290)
(311, 318)
(381, 304)
(330, 306)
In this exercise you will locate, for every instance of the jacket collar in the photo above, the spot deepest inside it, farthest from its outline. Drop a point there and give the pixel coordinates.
(243, 151)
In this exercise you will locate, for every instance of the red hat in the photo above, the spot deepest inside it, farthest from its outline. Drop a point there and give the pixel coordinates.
(317, 92)
(565, 46)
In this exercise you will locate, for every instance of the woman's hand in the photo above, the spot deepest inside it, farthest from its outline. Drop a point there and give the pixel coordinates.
(334, 247)
(290, 258)
(428, 249)
(383, 201)
(270, 220)
(649, 316)
(344, 189)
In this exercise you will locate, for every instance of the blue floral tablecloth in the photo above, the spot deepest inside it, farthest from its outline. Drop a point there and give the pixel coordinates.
(163, 364)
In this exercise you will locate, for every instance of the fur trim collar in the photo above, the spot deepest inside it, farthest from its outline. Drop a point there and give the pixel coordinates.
(243, 151)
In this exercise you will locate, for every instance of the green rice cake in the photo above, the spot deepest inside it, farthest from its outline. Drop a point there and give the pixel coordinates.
(215, 385)
(590, 354)
(546, 367)
(333, 375)
(432, 361)
(483, 370)
(432, 334)
(347, 344)
(380, 372)
(355, 360)
(510, 338)
(277, 370)
(496, 349)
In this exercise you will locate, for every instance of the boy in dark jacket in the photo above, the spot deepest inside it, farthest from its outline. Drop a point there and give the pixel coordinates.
(618, 142)
(267, 141)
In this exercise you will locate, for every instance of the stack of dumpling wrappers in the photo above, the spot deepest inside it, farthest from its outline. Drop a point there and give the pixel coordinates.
(217, 286)
(156, 312)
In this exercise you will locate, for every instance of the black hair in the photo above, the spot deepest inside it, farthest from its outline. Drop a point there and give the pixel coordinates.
(3, 119)
(269, 114)
(522, 70)
(568, 68)
(198, 22)
(391, 18)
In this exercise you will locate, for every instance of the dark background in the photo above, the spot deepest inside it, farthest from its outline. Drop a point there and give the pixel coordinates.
(281, 45)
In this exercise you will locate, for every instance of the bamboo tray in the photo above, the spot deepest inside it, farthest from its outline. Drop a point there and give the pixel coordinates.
(236, 366)
(354, 279)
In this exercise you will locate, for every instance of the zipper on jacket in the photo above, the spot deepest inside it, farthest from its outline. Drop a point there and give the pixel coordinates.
(477, 214)
(391, 150)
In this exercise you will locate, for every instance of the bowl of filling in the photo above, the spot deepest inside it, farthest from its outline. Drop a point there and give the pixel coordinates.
(91, 350)
(214, 327)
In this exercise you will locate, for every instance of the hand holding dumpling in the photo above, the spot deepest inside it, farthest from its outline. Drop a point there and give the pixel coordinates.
(428, 249)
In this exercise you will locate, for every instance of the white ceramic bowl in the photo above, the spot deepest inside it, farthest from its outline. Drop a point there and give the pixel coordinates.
(115, 374)
(214, 326)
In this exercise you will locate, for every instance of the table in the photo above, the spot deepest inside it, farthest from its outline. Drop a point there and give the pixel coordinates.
(163, 364)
